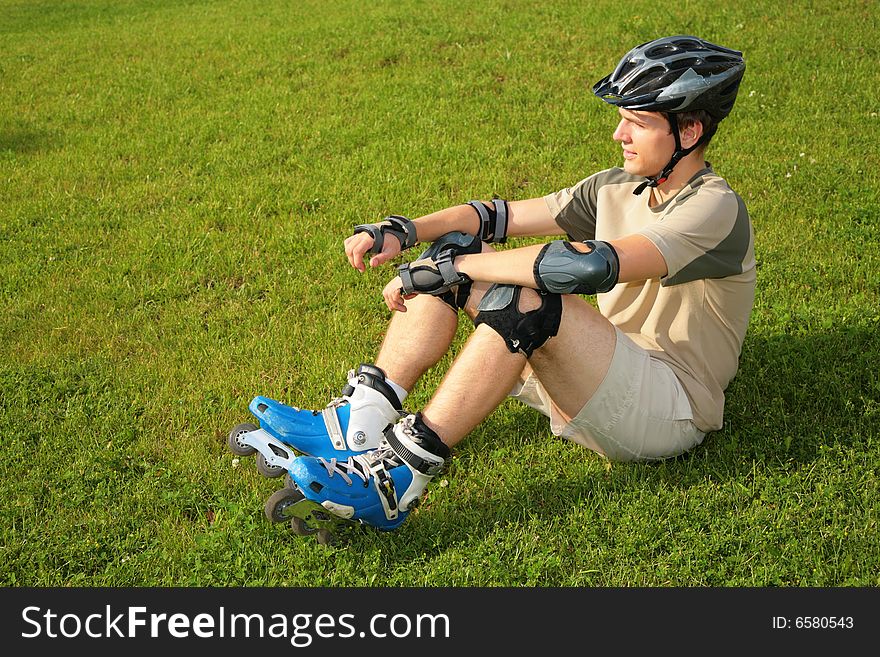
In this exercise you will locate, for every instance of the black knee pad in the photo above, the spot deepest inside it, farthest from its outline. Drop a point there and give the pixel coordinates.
(522, 332)
(456, 300)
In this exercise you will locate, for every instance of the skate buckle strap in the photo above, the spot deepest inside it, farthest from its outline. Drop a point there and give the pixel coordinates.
(385, 487)
(375, 465)
(424, 466)
(348, 390)
(334, 430)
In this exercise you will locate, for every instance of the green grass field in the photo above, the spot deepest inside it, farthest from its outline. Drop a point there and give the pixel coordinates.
(176, 179)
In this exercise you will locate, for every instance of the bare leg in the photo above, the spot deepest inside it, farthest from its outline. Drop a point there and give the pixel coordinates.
(571, 366)
(417, 339)
(480, 378)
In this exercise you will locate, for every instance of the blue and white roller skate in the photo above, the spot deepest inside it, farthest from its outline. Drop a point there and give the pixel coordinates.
(350, 424)
(378, 488)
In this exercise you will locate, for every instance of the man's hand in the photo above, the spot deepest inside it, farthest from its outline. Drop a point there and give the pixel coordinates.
(396, 227)
(357, 246)
(394, 296)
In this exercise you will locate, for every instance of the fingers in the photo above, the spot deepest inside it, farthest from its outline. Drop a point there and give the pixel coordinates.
(394, 301)
(394, 297)
(390, 250)
(356, 247)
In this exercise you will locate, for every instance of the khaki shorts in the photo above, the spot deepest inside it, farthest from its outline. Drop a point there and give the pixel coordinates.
(640, 412)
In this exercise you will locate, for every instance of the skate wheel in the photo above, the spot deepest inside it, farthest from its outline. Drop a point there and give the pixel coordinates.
(279, 501)
(233, 442)
(325, 537)
(300, 528)
(268, 470)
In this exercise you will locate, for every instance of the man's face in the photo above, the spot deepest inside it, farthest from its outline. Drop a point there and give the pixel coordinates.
(647, 142)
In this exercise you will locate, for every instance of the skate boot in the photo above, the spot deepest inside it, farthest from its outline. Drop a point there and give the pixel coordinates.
(378, 488)
(350, 424)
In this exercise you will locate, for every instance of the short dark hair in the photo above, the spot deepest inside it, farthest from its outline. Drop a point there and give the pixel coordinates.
(709, 122)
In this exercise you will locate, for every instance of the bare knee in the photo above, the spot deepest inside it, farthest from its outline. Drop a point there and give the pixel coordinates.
(573, 364)
(529, 300)
(582, 328)
(478, 291)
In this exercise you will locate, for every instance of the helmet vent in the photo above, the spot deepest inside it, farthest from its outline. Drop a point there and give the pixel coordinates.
(645, 78)
(689, 44)
(681, 64)
(730, 90)
(627, 67)
(659, 52)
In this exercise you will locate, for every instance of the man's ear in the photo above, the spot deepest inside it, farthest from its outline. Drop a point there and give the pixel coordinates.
(691, 134)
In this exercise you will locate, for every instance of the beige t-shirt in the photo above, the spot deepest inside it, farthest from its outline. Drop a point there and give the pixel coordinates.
(695, 318)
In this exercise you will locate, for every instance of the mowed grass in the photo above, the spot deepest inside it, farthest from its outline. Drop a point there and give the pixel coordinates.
(176, 179)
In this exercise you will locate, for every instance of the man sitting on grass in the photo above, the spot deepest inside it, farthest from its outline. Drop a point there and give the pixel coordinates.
(664, 243)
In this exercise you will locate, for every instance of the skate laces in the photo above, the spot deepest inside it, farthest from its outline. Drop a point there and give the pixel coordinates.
(342, 400)
(375, 463)
(336, 402)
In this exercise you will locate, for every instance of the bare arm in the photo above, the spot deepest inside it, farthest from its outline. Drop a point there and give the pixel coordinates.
(525, 218)
(639, 260)
(532, 218)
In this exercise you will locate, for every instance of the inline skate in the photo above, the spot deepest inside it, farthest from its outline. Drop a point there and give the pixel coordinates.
(349, 425)
(378, 488)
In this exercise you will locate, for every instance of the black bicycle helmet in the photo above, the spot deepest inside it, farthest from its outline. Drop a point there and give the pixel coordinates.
(675, 74)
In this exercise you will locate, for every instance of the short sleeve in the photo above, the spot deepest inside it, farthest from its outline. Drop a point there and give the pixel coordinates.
(708, 236)
(574, 208)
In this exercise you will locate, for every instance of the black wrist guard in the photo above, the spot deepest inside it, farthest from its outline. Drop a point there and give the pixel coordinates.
(401, 227)
(459, 244)
(493, 220)
(434, 276)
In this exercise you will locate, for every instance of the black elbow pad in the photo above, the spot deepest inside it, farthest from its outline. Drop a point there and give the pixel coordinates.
(562, 269)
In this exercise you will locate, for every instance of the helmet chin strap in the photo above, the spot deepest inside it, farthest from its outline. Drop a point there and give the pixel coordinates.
(679, 153)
